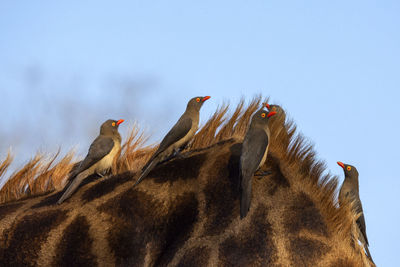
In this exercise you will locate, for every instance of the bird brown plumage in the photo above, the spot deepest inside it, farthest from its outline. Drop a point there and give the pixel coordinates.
(350, 192)
(99, 159)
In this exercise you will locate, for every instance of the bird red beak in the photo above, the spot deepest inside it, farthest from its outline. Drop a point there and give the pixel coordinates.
(206, 98)
(267, 105)
(340, 164)
(272, 113)
(119, 122)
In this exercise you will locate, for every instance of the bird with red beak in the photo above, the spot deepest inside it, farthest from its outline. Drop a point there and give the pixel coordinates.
(254, 153)
(178, 137)
(349, 193)
(99, 159)
(278, 109)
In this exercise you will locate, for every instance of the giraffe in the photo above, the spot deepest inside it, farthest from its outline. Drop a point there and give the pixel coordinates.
(186, 213)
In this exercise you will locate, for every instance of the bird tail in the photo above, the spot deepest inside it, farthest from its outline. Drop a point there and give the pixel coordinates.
(146, 171)
(245, 198)
(369, 254)
(71, 187)
(364, 243)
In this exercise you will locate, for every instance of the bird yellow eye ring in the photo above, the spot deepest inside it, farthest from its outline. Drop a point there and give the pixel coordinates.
(348, 168)
(198, 99)
(263, 115)
(113, 124)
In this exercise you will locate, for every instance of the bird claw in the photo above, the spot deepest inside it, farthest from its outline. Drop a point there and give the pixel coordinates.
(102, 174)
(261, 174)
(178, 155)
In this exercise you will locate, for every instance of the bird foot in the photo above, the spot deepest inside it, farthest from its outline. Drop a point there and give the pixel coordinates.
(261, 174)
(103, 174)
(179, 155)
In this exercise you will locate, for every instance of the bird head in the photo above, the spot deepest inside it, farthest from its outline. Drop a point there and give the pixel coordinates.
(110, 126)
(273, 109)
(262, 116)
(197, 102)
(349, 170)
(278, 109)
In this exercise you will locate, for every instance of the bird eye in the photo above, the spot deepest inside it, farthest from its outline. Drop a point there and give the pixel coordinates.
(263, 115)
(348, 168)
(113, 124)
(198, 99)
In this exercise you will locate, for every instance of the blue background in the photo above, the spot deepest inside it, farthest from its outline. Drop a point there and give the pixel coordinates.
(65, 67)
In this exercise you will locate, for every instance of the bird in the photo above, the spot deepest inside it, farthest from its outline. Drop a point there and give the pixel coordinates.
(99, 159)
(254, 153)
(279, 110)
(349, 192)
(178, 137)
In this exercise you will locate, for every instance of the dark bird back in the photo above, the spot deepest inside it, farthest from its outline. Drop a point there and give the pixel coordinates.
(178, 137)
(100, 156)
(254, 153)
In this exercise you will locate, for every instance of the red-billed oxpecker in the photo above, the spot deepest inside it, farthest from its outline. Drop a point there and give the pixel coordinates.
(99, 159)
(349, 192)
(278, 109)
(254, 154)
(178, 137)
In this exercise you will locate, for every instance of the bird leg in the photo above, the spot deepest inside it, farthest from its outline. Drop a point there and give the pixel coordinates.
(175, 154)
(260, 174)
(103, 173)
(178, 154)
(100, 174)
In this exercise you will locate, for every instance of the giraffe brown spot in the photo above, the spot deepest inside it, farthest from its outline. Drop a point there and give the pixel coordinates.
(198, 256)
(178, 225)
(253, 246)
(276, 180)
(343, 263)
(140, 220)
(106, 186)
(8, 209)
(220, 196)
(22, 243)
(306, 252)
(303, 214)
(52, 199)
(233, 165)
(47, 201)
(131, 213)
(74, 248)
(178, 168)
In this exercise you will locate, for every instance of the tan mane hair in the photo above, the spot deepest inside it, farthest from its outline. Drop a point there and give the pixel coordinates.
(43, 175)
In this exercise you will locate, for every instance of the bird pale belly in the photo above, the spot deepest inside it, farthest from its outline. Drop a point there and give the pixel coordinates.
(264, 157)
(266, 150)
(181, 142)
(106, 162)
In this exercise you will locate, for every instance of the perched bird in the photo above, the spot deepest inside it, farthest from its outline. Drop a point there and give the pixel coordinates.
(178, 137)
(349, 192)
(99, 159)
(278, 109)
(254, 154)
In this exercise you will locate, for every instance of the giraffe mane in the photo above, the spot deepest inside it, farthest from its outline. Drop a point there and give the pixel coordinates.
(42, 175)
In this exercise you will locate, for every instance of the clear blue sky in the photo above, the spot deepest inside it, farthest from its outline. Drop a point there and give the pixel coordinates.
(333, 65)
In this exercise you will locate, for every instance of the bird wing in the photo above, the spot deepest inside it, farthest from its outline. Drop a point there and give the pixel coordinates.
(180, 129)
(361, 221)
(100, 147)
(357, 207)
(254, 146)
